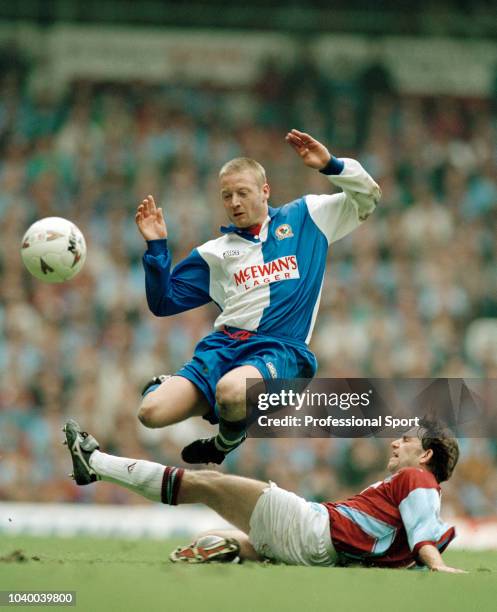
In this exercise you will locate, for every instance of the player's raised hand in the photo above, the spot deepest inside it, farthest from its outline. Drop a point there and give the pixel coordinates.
(150, 220)
(313, 153)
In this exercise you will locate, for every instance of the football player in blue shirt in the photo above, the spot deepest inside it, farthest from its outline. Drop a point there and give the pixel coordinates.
(265, 273)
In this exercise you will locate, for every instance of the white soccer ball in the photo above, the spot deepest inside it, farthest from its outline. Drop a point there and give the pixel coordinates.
(53, 249)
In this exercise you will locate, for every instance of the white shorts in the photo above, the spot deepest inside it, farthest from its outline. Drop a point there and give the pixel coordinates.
(287, 528)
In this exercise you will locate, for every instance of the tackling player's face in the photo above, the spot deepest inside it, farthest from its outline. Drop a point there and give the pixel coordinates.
(244, 198)
(407, 452)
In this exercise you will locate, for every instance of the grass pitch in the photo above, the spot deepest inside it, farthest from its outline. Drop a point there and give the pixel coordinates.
(122, 575)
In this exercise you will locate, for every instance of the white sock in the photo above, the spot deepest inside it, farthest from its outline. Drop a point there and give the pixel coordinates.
(142, 477)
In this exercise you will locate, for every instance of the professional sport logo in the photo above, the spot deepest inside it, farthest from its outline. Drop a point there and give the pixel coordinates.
(283, 268)
(284, 231)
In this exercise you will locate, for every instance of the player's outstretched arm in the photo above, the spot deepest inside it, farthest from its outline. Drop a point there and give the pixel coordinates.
(150, 220)
(312, 152)
(336, 215)
(169, 293)
(430, 556)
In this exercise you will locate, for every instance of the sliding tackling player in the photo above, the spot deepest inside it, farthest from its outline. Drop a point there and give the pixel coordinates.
(393, 523)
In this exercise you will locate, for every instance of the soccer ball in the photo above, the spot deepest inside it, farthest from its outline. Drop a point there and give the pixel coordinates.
(53, 250)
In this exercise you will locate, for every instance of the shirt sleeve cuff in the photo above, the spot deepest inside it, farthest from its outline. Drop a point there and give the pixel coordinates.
(334, 166)
(157, 247)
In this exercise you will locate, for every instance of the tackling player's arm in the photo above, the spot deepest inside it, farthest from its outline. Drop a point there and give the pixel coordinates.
(418, 498)
(338, 214)
(429, 556)
(168, 293)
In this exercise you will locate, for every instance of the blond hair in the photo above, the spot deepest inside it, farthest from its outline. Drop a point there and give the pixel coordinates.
(239, 164)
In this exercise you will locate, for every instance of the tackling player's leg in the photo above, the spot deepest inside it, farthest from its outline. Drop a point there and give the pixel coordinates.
(232, 407)
(173, 400)
(232, 497)
(281, 525)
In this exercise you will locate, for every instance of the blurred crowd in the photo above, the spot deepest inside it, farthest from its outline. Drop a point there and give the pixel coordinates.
(412, 293)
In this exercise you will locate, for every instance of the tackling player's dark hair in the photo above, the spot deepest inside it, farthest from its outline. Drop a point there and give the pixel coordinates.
(435, 436)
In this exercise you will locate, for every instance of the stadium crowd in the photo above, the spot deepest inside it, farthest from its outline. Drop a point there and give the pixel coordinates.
(412, 293)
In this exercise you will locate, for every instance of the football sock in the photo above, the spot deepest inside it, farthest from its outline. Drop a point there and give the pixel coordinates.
(171, 483)
(151, 480)
(231, 434)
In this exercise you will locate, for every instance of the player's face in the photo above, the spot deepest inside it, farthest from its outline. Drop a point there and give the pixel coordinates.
(406, 452)
(244, 198)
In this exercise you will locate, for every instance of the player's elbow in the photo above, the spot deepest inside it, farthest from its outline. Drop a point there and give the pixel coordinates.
(367, 202)
(160, 308)
(154, 299)
(155, 310)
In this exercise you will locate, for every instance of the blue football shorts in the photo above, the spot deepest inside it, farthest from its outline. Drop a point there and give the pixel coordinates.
(222, 351)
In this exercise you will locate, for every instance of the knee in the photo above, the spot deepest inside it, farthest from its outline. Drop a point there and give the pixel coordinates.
(146, 411)
(230, 392)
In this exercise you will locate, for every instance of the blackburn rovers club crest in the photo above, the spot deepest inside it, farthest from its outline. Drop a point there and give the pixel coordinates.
(284, 231)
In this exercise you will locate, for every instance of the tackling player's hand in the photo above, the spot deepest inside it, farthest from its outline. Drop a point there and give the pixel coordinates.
(313, 153)
(150, 220)
(431, 557)
(448, 570)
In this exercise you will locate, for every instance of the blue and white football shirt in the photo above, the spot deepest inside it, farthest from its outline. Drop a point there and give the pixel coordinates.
(270, 283)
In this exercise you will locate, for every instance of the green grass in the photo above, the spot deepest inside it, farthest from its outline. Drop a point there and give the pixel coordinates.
(122, 575)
